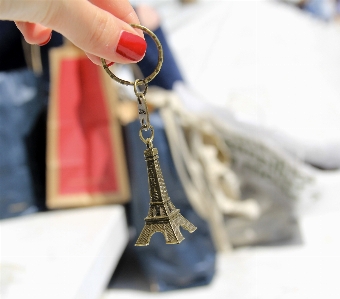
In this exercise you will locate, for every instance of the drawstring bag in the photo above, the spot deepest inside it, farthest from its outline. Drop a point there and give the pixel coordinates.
(167, 267)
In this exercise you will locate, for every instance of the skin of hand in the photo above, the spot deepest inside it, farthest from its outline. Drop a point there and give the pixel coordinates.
(99, 27)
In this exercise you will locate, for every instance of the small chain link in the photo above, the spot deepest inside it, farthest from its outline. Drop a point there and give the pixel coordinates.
(143, 112)
(148, 140)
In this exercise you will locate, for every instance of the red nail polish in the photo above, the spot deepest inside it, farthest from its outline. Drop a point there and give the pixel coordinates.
(109, 63)
(131, 46)
(46, 42)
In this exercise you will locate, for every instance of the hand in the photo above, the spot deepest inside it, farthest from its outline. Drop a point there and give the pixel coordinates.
(99, 27)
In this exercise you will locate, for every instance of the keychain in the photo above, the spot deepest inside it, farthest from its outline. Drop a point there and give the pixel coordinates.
(162, 216)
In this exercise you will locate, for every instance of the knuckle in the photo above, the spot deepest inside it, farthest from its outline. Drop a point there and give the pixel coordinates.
(100, 23)
(49, 15)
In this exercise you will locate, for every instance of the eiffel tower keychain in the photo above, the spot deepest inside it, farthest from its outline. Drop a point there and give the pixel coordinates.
(162, 216)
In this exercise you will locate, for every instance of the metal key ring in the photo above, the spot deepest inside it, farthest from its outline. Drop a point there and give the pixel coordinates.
(158, 66)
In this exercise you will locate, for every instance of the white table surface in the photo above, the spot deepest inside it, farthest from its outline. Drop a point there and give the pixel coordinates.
(68, 254)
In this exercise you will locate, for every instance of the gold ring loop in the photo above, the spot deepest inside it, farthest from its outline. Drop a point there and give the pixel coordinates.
(140, 82)
(147, 140)
(158, 66)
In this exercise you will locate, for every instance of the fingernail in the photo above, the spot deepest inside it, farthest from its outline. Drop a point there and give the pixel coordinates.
(46, 42)
(131, 46)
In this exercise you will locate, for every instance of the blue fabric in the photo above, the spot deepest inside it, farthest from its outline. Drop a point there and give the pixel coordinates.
(11, 52)
(23, 112)
(170, 72)
(321, 9)
(21, 104)
(192, 262)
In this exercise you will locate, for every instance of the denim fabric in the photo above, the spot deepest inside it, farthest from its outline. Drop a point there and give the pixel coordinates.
(170, 72)
(21, 105)
(23, 100)
(11, 51)
(169, 267)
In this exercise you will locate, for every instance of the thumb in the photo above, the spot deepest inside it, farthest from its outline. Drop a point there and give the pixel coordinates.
(97, 32)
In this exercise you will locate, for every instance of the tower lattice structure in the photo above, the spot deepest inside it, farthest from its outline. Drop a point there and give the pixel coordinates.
(162, 216)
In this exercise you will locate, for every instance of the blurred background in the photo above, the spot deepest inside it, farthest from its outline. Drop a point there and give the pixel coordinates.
(246, 114)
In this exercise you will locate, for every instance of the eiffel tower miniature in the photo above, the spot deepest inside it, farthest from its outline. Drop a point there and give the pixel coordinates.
(162, 216)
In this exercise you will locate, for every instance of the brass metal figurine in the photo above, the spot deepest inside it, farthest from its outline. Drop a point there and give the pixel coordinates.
(163, 216)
